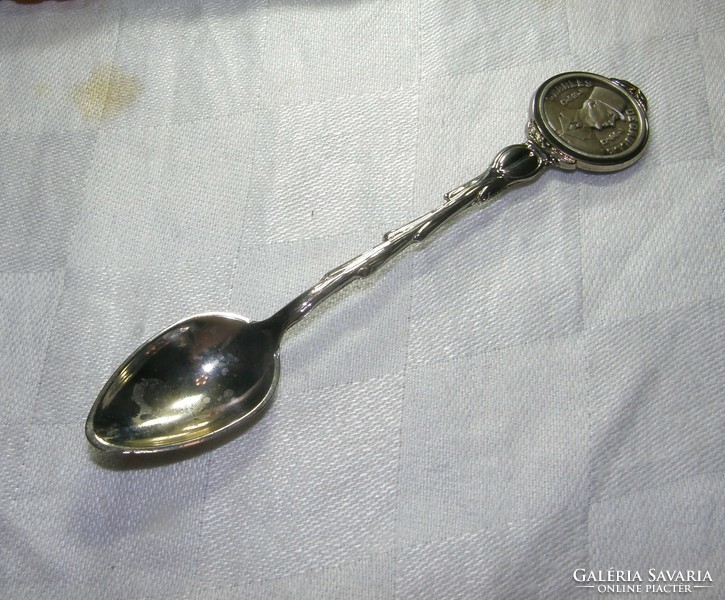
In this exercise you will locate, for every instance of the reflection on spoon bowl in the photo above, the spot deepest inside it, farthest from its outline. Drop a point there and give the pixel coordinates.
(193, 381)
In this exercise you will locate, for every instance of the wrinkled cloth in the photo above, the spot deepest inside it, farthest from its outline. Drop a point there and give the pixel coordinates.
(534, 390)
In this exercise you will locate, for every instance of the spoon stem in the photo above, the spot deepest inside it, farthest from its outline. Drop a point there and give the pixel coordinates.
(515, 164)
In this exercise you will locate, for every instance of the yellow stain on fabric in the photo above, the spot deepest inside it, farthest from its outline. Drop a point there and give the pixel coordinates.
(41, 90)
(106, 92)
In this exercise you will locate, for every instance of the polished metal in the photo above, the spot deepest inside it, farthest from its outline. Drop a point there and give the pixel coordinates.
(211, 373)
(192, 381)
(589, 122)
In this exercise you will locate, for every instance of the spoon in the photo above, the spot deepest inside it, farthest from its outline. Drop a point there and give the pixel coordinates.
(211, 373)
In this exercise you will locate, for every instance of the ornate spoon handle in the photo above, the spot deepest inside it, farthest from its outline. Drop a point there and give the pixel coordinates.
(513, 165)
(577, 120)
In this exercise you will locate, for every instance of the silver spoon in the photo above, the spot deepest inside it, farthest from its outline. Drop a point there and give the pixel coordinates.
(211, 373)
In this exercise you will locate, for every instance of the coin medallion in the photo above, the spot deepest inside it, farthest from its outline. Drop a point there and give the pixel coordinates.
(592, 122)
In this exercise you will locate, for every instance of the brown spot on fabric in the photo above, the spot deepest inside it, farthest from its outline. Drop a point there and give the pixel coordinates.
(106, 92)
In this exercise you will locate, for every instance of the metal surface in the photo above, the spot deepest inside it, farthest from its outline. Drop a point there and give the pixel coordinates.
(211, 373)
(590, 122)
(192, 381)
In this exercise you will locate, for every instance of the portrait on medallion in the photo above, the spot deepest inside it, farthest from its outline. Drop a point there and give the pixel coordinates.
(601, 109)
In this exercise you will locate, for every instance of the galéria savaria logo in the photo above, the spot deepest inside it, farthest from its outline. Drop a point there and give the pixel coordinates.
(652, 581)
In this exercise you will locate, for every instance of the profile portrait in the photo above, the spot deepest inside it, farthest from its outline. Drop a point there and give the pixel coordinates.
(600, 109)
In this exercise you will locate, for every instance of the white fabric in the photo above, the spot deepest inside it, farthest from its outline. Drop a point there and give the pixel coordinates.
(538, 388)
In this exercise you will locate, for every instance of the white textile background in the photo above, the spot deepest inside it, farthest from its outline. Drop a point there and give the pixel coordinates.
(537, 388)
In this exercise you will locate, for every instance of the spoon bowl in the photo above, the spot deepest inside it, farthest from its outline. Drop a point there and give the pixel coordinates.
(193, 381)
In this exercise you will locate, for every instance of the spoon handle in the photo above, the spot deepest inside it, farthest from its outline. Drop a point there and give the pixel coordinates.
(515, 164)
